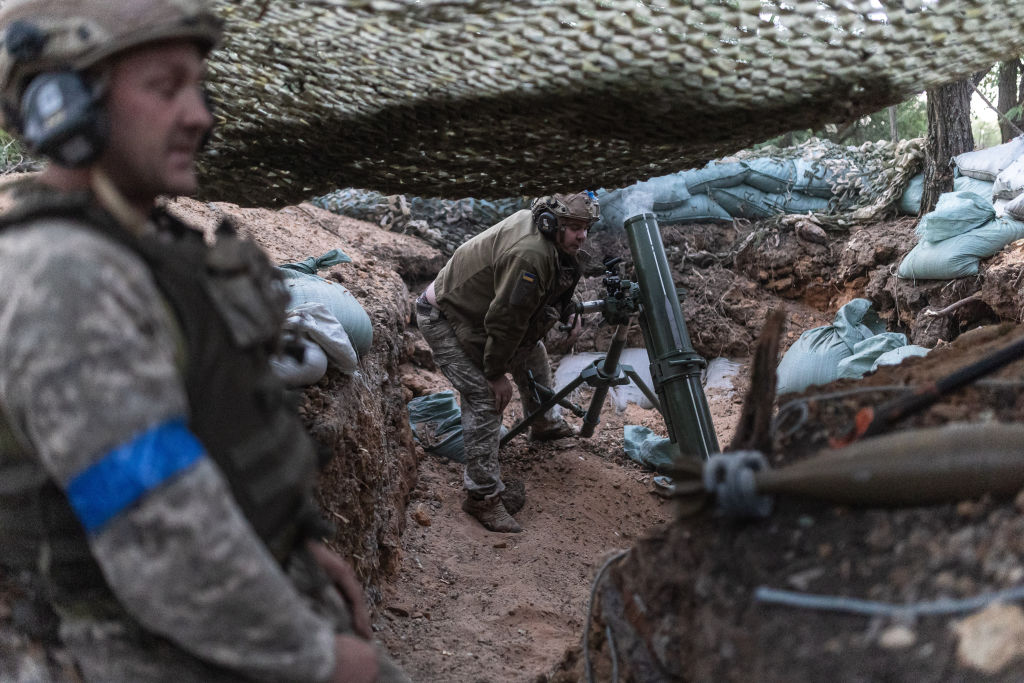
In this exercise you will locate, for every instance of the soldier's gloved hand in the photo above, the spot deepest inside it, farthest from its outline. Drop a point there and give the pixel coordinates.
(344, 578)
(355, 660)
(502, 390)
(574, 333)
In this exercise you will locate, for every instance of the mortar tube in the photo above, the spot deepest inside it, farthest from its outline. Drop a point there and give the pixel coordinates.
(675, 366)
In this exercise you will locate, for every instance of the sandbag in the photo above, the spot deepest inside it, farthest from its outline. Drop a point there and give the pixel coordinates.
(986, 164)
(304, 288)
(814, 357)
(965, 183)
(867, 352)
(744, 201)
(898, 355)
(302, 367)
(715, 174)
(772, 176)
(436, 423)
(1010, 181)
(700, 208)
(647, 448)
(1015, 208)
(954, 214)
(910, 200)
(958, 256)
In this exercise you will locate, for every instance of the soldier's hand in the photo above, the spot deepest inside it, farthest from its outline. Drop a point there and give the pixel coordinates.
(502, 390)
(344, 578)
(355, 660)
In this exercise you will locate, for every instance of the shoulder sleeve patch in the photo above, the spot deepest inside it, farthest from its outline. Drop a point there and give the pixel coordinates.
(524, 290)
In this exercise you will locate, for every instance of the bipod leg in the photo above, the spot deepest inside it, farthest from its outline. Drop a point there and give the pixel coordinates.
(642, 386)
(543, 408)
(607, 375)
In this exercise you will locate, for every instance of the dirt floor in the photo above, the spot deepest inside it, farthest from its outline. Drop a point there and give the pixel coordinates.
(470, 605)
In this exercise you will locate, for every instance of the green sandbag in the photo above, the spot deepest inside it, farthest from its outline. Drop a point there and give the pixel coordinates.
(304, 288)
(867, 352)
(910, 201)
(647, 448)
(965, 183)
(954, 214)
(715, 174)
(770, 175)
(814, 357)
(436, 423)
(898, 355)
(958, 256)
(744, 201)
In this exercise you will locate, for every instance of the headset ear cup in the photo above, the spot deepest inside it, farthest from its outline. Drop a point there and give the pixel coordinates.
(547, 223)
(61, 118)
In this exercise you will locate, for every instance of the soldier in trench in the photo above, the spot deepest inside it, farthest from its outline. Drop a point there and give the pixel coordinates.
(153, 477)
(484, 316)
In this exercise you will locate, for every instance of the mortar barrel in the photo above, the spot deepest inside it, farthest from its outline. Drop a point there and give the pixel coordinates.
(917, 467)
(675, 366)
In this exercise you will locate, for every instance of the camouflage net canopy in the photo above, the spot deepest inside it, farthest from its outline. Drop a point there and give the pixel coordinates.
(479, 98)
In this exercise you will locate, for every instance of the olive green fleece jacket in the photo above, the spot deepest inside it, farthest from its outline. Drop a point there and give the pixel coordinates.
(504, 288)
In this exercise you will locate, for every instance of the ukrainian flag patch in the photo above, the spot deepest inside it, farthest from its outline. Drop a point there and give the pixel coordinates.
(524, 291)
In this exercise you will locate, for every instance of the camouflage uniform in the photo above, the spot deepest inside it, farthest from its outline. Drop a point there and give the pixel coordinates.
(496, 298)
(90, 367)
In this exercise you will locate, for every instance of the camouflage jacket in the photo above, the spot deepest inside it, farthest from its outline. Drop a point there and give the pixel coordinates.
(90, 359)
(503, 289)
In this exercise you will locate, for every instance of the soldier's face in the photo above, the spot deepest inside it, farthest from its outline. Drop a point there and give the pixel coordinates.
(571, 235)
(157, 120)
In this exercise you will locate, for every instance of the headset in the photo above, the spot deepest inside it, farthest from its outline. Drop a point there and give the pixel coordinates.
(544, 218)
(61, 117)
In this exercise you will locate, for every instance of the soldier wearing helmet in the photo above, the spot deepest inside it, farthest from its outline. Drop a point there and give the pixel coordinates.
(155, 480)
(484, 317)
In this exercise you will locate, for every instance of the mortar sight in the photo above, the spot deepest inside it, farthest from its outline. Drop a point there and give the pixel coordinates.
(675, 366)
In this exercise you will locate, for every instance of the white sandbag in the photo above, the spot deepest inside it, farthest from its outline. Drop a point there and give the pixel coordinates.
(301, 367)
(315, 322)
(1010, 181)
(986, 164)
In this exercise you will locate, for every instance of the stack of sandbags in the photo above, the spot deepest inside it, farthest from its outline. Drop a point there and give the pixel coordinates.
(962, 230)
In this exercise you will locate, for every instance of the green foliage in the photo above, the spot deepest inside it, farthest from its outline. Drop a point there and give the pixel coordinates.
(986, 133)
(11, 153)
(911, 122)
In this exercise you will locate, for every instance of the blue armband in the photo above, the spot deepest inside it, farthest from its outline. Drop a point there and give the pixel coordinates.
(131, 470)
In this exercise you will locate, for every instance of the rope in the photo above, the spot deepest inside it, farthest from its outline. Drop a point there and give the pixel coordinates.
(835, 603)
(590, 615)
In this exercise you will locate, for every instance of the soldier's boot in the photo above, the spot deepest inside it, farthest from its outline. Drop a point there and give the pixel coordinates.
(559, 430)
(491, 513)
(514, 496)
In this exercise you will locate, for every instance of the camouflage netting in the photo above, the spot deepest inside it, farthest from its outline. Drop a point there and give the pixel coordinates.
(479, 98)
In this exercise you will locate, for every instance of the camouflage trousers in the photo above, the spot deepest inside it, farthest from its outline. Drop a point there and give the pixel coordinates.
(105, 649)
(481, 422)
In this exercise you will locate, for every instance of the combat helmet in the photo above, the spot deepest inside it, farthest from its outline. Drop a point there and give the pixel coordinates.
(548, 210)
(38, 36)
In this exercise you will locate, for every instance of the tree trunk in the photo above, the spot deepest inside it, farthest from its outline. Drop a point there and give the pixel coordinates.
(894, 130)
(1009, 96)
(949, 134)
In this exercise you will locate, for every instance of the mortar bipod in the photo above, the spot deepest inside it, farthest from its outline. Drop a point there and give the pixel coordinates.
(602, 374)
